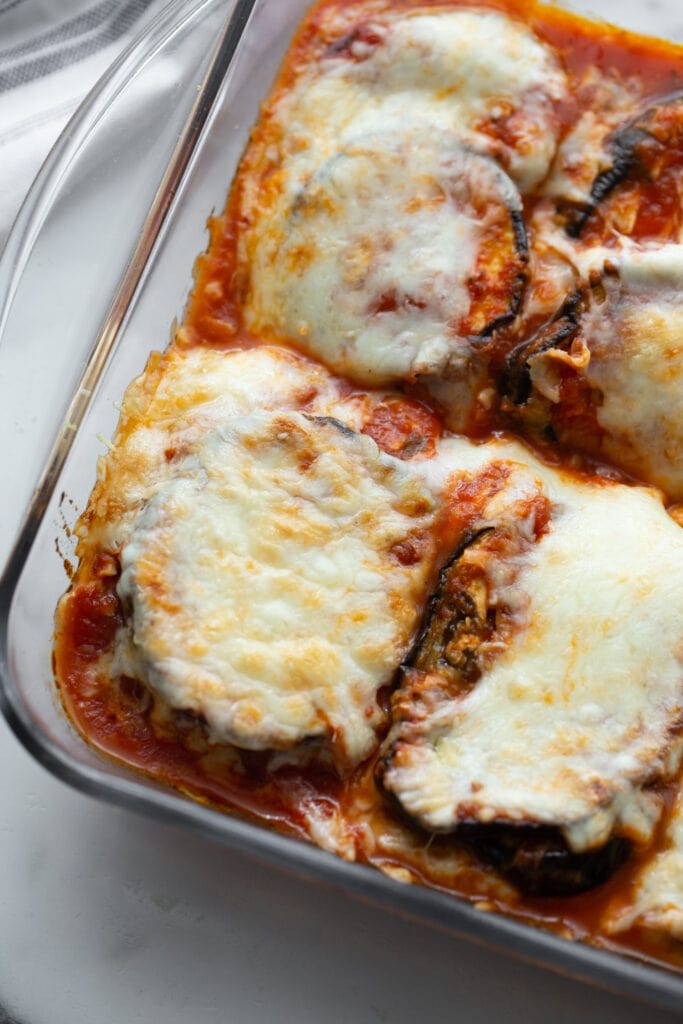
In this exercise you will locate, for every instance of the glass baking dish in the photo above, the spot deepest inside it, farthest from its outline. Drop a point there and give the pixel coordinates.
(97, 267)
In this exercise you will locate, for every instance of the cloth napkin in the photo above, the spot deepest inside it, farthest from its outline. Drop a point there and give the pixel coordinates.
(51, 54)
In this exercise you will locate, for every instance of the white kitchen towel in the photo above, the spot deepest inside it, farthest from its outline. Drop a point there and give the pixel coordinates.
(51, 54)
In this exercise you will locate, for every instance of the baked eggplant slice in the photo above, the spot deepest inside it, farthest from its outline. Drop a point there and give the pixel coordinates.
(271, 584)
(544, 696)
(638, 191)
(606, 375)
(480, 74)
(398, 252)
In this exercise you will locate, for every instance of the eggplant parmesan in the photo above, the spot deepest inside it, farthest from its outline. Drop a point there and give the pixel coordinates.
(384, 552)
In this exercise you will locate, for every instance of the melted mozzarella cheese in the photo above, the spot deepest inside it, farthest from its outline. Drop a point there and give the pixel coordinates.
(639, 371)
(370, 265)
(656, 898)
(629, 349)
(581, 694)
(357, 241)
(479, 74)
(584, 152)
(179, 398)
(268, 583)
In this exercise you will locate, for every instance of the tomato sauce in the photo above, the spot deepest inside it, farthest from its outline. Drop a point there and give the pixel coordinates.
(404, 428)
(119, 721)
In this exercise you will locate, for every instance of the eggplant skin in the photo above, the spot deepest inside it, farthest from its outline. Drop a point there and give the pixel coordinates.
(519, 281)
(634, 149)
(453, 627)
(538, 862)
(515, 382)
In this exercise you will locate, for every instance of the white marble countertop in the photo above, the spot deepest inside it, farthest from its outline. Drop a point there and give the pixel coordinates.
(107, 917)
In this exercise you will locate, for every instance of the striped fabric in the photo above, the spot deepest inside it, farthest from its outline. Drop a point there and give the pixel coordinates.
(51, 53)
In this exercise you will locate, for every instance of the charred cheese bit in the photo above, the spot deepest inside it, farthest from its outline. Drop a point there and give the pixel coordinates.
(479, 74)
(274, 582)
(655, 900)
(397, 251)
(547, 686)
(608, 373)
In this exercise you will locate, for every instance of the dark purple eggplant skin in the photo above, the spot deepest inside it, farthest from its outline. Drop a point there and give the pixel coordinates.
(632, 149)
(450, 610)
(539, 863)
(332, 421)
(515, 381)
